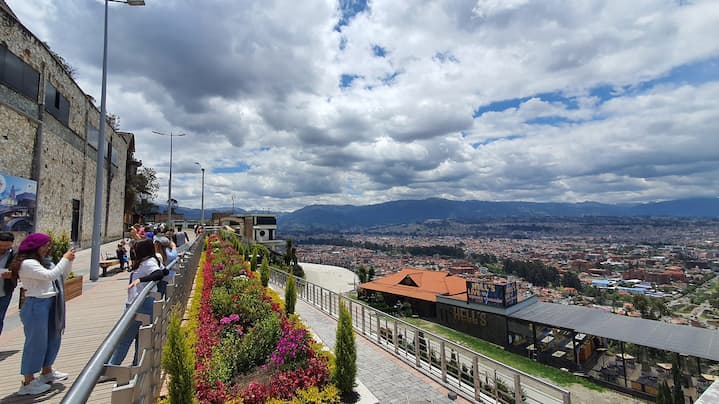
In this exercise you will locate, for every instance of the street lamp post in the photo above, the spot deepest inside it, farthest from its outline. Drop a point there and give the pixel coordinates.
(169, 182)
(97, 213)
(202, 206)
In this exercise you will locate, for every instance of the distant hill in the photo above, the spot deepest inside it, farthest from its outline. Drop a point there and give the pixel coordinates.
(194, 214)
(349, 217)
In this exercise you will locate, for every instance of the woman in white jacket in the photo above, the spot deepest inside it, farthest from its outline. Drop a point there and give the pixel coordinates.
(145, 268)
(42, 313)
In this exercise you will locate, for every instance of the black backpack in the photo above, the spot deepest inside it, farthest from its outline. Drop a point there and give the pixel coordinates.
(9, 284)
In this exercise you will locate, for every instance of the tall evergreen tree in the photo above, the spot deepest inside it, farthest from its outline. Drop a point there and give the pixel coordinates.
(677, 392)
(178, 362)
(290, 295)
(345, 352)
(253, 261)
(370, 274)
(265, 272)
(362, 274)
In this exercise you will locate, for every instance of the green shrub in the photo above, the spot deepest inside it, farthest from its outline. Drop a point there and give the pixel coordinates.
(60, 245)
(290, 295)
(177, 361)
(265, 272)
(257, 344)
(244, 302)
(345, 352)
(312, 395)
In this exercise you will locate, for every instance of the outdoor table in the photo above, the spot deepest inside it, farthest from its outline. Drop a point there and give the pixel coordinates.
(548, 339)
(559, 354)
(570, 345)
(531, 347)
(580, 337)
(665, 366)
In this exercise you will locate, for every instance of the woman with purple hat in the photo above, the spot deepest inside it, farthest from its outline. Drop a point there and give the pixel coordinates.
(43, 313)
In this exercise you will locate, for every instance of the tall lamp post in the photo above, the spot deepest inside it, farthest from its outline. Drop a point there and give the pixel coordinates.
(97, 213)
(169, 182)
(202, 206)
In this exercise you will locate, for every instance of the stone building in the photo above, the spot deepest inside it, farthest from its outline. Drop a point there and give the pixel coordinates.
(49, 134)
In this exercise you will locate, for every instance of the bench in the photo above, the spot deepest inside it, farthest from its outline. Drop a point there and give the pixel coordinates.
(105, 264)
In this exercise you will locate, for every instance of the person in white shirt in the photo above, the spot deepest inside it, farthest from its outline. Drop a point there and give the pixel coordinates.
(166, 251)
(42, 313)
(145, 268)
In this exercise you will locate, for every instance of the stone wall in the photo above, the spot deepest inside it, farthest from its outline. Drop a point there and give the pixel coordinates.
(68, 162)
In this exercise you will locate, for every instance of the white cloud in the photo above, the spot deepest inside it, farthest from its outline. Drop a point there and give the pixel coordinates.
(258, 84)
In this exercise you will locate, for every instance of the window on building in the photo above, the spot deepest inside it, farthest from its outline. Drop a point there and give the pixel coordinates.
(266, 220)
(18, 75)
(56, 104)
(114, 158)
(93, 136)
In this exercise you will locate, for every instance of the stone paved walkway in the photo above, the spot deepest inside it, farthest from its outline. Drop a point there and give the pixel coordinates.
(387, 378)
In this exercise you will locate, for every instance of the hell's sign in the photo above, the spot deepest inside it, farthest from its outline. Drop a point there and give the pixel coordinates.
(492, 293)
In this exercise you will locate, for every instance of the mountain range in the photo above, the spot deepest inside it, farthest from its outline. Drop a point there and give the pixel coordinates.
(329, 217)
(417, 211)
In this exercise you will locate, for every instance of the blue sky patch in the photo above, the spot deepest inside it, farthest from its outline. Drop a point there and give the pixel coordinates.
(343, 42)
(444, 57)
(690, 74)
(239, 168)
(348, 9)
(389, 79)
(548, 120)
(347, 79)
(502, 105)
(496, 139)
(378, 51)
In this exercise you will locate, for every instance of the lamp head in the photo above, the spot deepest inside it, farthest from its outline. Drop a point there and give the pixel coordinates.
(135, 2)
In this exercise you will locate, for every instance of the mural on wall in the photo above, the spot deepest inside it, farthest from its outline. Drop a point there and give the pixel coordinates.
(17, 203)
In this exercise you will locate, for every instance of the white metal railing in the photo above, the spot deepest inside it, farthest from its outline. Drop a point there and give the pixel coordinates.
(470, 374)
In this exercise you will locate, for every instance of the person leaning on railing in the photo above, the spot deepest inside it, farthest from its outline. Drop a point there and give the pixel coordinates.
(146, 268)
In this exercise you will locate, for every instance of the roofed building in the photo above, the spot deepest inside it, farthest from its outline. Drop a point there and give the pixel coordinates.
(418, 287)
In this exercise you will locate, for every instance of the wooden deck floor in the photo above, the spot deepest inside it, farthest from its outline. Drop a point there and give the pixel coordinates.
(90, 317)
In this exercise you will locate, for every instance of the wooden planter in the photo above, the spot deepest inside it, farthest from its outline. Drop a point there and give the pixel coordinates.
(73, 287)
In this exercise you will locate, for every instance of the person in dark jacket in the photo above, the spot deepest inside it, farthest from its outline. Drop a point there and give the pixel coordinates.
(8, 283)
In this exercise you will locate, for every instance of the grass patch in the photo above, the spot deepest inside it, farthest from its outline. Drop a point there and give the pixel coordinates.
(684, 308)
(508, 358)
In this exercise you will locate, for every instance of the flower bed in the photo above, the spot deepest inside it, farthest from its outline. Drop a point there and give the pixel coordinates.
(246, 349)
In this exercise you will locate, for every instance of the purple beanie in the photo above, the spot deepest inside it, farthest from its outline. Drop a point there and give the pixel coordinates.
(33, 241)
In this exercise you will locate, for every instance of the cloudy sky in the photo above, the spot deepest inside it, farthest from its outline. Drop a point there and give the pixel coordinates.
(292, 103)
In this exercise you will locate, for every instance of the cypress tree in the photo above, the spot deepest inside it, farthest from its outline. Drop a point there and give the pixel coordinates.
(345, 352)
(177, 362)
(290, 295)
(253, 261)
(677, 396)
(265, 272)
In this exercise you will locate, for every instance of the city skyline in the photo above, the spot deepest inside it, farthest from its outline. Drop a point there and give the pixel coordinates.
(361, 103)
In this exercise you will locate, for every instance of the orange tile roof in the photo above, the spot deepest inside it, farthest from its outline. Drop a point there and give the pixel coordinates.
(429, 284)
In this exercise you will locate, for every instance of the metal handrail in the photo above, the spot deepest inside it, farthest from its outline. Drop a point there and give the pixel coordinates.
(85, 383)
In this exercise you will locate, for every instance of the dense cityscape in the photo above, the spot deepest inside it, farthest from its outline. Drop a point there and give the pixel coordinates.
(621, 266)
